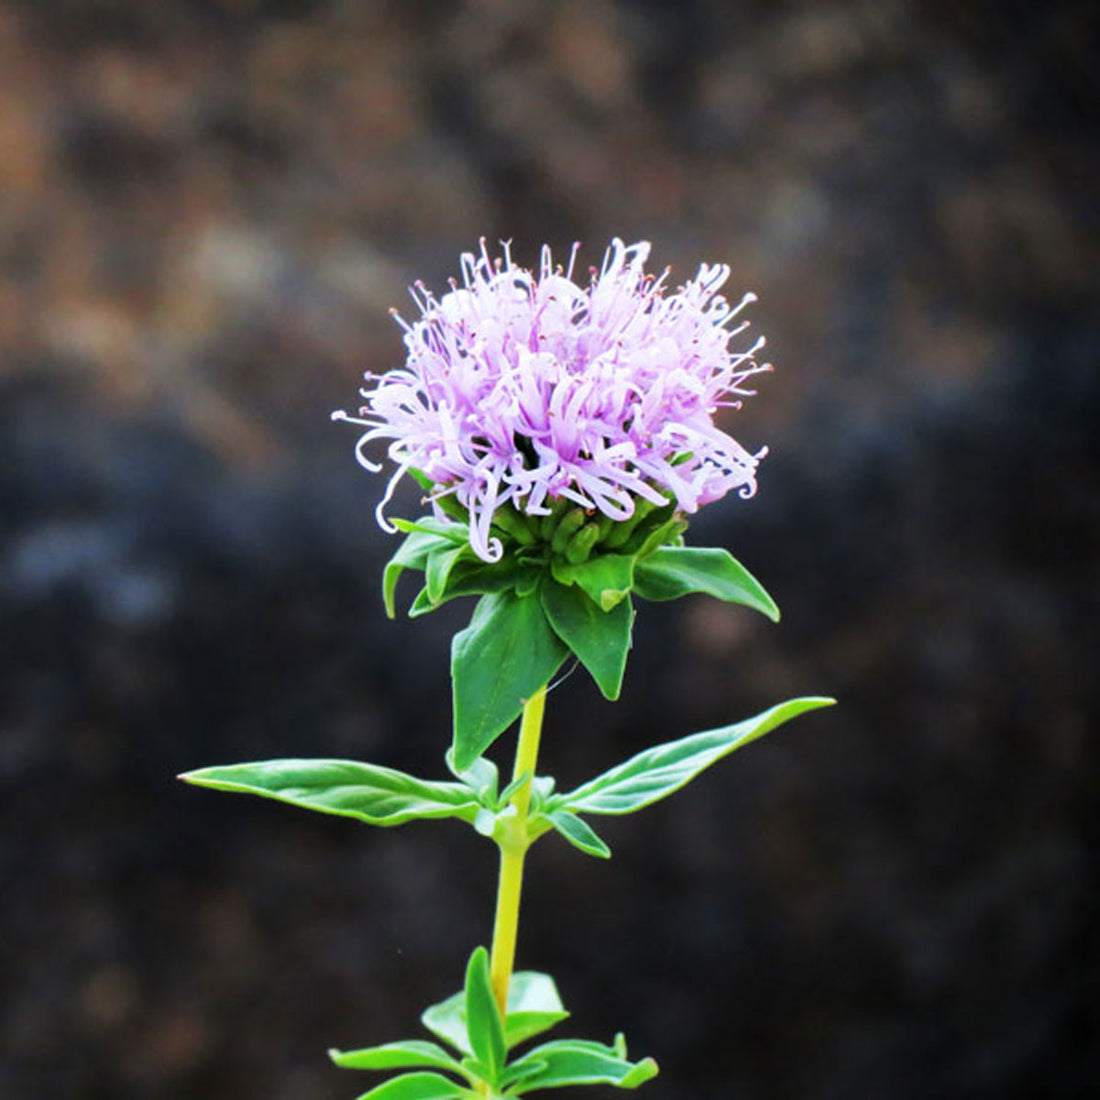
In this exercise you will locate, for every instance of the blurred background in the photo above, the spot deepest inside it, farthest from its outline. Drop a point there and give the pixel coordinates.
(206, 209)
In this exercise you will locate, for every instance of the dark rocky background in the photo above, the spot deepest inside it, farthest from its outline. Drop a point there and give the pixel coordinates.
(206, 208)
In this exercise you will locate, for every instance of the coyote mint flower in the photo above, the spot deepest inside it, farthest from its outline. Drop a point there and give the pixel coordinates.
(526, 390)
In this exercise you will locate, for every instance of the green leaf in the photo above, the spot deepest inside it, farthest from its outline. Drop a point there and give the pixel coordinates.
(411, 1053)
(600, 639)
(666, 532)
(477, 578)
(497, 663)
(481, 777)
(658, 772)
(528, 1069)
(526, 580)
(505, 795)
(453, 532)
(533, 991)
(533, 1007)
(413, 553)
(577, 1062)
(447, 1021)
(578, 832)
(607, 579)
(422, 604)
(483, 1023)
(376, 795)
(439, 566)
(542, 787)
(469, 578)
(417, 1086)
(421, 479)
(673, 571)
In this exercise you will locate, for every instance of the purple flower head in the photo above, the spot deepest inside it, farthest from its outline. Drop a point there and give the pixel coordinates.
(527, 390)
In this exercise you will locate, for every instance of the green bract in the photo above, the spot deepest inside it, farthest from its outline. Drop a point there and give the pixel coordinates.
(563, 586)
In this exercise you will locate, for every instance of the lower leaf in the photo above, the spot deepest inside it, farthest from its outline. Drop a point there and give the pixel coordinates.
(484, 1027)
(534, 1006)
(417, 1086)
(579, 833)
(410, 1054)
(577, 1062)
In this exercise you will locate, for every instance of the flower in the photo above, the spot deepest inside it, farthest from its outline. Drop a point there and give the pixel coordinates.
(528, 390)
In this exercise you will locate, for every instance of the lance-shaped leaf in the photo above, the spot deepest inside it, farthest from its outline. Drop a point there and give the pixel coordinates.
(409, 1054)
(453, 532)
(533, 1007)
(600, 639)
(413, 553)
(577, 1062)
(417, 1086)
(657, 772)
(484, 1027)
(438, 569)
(578, 832)
(467, 577)
(673, 571)
(367, 792)
(497, 663)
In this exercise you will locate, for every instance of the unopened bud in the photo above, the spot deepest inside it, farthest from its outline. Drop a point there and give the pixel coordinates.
(570, 524)
(581, 544)
(513, 523)
(621, 531)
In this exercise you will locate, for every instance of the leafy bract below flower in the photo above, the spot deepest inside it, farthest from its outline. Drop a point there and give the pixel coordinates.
(529, 390)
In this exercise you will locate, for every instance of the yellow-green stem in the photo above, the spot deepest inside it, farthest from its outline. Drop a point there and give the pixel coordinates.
(513, 849)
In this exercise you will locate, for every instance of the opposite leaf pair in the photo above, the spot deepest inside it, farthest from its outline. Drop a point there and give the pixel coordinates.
(471, 1023)
(384, 796)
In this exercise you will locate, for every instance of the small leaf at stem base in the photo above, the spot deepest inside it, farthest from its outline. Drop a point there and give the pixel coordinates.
(579, 833)
(534, 1006)
(484, 1026)
(577, 1062)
